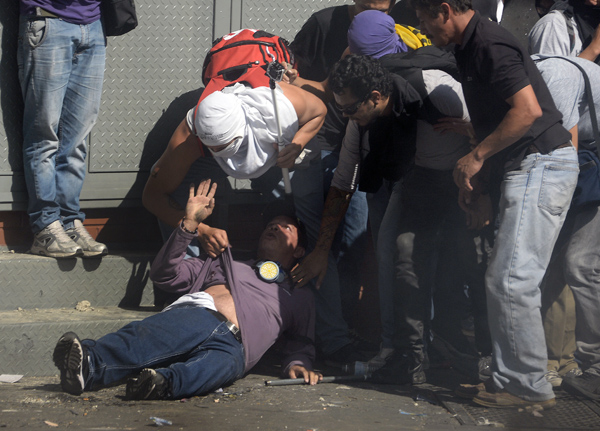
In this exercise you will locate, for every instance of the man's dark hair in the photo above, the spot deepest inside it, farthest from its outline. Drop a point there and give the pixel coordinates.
(362, 75)
(434, 7)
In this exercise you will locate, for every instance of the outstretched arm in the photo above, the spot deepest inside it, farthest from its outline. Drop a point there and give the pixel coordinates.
(315, 264)
(166, 175)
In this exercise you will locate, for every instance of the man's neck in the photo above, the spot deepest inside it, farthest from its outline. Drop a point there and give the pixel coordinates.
(387, 107)
(461, 21)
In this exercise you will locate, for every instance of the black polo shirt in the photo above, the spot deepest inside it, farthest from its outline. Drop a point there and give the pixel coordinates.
(493, 67)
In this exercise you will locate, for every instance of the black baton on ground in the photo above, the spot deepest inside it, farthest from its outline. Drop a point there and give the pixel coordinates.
(329, 379)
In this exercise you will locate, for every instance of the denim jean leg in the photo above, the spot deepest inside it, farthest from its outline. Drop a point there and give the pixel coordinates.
(157, 341)
(534, 202)
(582, 273)
(79, 113)
(384, 214)
(45, 53)
(331, 329)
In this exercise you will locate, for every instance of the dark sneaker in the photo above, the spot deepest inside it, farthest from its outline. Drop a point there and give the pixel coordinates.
(469, 391)
(52, 241)
(345, 355)
(502, 399)
(400, 369)
(80, 236)
(585, 385)
(149, 385)
(69, 358)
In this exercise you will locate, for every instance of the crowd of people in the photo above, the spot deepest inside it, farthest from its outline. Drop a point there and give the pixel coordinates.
(458, 146)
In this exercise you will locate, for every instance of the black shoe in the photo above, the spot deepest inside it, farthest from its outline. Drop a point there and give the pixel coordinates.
(585, 385)
(149, 385)
(400, 369)
(345, 355)
(360, 343)
(70, 359)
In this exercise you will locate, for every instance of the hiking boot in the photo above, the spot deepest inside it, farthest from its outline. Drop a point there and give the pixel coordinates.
(400, 369)
(52, 241)
(503, 399)
(585, 385)
(553, 378)
(149, 385)
(79, 234)
(70, 358)
(345, 355)
(484, 368)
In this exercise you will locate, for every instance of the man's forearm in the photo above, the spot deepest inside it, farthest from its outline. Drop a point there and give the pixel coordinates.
(334, 211)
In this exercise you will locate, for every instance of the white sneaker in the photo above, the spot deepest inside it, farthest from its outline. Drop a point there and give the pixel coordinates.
(52, 241)
(79, 234)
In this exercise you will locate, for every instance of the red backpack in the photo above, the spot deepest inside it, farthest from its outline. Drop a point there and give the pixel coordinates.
(243, 56)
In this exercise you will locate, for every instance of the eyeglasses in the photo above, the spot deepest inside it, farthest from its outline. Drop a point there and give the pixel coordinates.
(352, 109)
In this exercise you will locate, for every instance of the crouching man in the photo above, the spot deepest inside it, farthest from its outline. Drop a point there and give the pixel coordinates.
(229, 315)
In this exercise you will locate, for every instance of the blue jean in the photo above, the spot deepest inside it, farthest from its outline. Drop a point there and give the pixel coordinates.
(61, 69)
(533, 205)
(189, 346)
(582, 274)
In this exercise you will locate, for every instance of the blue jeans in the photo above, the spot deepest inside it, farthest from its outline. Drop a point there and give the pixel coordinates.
(189, 346)
(582, 274)
(61, 69)
(533, 205)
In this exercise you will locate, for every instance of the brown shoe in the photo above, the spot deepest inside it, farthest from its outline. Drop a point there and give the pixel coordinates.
(503, 399)
(469, 391)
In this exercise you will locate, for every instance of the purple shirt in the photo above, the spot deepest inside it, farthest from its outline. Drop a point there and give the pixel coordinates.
(264, 310)
(73, 11)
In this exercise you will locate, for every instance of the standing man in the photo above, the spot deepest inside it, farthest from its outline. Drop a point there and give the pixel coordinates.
(317, 47)
(61, 55)
(519, 131)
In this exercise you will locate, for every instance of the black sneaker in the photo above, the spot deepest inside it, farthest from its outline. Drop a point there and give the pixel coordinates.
(69, 357)
(360, 343)
(400, 369)
(149, 385)
(345, 355)
(585, 385)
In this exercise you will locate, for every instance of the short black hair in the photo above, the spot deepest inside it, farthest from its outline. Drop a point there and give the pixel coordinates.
(362, 75)
(434, 7)
(285, 209)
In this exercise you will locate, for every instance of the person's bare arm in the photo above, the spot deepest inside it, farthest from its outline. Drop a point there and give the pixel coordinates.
(593, 49)
(311, 113)
(524, 110)
(575, 136)
(315, 264)
(166, 175)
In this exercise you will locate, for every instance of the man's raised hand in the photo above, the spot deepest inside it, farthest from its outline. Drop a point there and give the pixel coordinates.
(201, 202)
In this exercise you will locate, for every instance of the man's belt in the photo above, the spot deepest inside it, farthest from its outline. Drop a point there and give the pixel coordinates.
(43, 13)
(534, 150)
(234, 329)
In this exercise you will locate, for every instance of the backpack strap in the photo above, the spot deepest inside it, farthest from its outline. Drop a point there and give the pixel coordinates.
(590, 96)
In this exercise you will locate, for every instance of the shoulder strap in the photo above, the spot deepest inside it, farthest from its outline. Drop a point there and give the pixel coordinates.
(590, 96)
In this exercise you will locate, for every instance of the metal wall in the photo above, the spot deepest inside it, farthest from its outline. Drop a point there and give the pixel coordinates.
(152, 77)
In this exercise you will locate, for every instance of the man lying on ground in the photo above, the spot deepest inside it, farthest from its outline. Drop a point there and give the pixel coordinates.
(229, 315)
